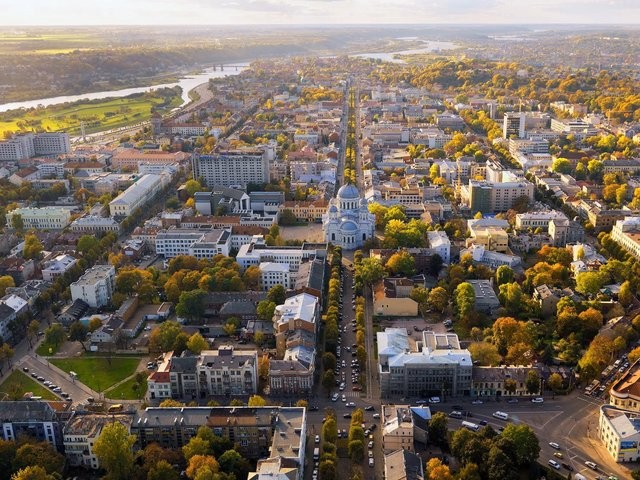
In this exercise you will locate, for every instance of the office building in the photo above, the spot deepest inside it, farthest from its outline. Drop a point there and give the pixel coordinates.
(513, 125)
(233, 168)
(436, 366)
(28, 145)
(619, 431)
(41, 218)
(46, 143)
(138, 195)
(258, 251)
(491, 197)
(627, 233)
(199, 243)
(96, 286)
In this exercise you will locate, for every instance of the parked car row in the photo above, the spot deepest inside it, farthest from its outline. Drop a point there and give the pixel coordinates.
(50, 385)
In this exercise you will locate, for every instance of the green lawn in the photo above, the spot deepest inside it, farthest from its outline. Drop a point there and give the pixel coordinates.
(17, 384)
(125, 391)
(45, 349)
(96, 372)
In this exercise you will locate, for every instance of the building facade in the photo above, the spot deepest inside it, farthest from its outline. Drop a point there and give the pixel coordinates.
(348, 223)
(41, 218)
(232, 168)
(96, 286)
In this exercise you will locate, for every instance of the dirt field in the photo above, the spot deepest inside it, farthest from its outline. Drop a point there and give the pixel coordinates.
(310, 233)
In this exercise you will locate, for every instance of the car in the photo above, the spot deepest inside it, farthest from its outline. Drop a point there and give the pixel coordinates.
(369, 408)
(367, 432)
(370, 454)
(40, 379)
(483, 423)
(376, 416)
(373, 427)
(344, 398)
(25, 369)
(57, 390)
(537, 400)
(513, 400)
(47, 383)
(554, 445)
(356, 388)
(34, 375)
(434, 400)
(317, 439)
(314, 408)
(371, 462)
(554, 464)
(53, 386)
(477, 402)
(370, 445)
(591, 465)
(350, 404)
(335, 397)
(558, 454)
(65, 395)
(567, 466)
(346, 415)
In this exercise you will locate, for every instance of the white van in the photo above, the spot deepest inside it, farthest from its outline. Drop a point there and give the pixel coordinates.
(501, 415)
(554, 464)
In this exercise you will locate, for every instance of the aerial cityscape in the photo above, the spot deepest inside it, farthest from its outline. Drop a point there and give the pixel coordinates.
(320, 240)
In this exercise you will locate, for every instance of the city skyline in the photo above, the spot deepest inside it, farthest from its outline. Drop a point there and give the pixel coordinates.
(318, 12)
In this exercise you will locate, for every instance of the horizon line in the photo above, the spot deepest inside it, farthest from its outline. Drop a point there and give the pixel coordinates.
(326, 25)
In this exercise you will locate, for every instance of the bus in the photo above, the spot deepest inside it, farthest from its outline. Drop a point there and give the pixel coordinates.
(470, 426)
(593, 387)
(501, 415)
(115, 408)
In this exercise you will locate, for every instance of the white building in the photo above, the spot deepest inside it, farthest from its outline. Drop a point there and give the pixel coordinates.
(272, 274)
(258, 252)
(41, 218)
(619, 431)
(439, 243)
(138, 194)
(197, 243)
(627, 233)
(490, 258)
(227, 372)
(232, 168)
(28, 145)
(539, 219)
(57, 267)
(96, 286)
(95, 224)
(348, 223)
(51, 143)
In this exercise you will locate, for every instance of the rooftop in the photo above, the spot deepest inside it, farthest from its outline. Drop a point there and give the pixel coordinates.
(91, 425)
(628, 386)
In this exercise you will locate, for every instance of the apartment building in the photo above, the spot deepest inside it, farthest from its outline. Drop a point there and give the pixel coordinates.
(96, 286)
(397, 428)
(57, 267)
(36, 420)
(199, 243)
(293, 375)
(47, 143)
(232, 168)
(300, 312)
(619, 431)
(95, 224)
(138, 195)
(227, 372)
(627, 233)
(41, 218)
(258, 251)
(440, 244)
(81, 432)
(272, 274)
(491, 197)
(28, 145)
(435, 366)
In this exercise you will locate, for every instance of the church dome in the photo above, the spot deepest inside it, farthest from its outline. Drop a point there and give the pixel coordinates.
(333, 209)
(348, 226)
(348, 192)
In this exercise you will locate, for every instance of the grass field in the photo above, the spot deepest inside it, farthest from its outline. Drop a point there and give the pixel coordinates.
(96, 372)
(17, 384)
(111, 113)
(45, 349)
(125, 391)
(48, 42)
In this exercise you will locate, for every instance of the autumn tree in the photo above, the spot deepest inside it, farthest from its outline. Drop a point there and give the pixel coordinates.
(439, 298)
(438, 427)
(114, 450)
(436, 470)
(485, 353)
(32, 247)
(401, 263)
(54, 335)
(6, 281)
(40, 453)
(35, 472)
(197, 343)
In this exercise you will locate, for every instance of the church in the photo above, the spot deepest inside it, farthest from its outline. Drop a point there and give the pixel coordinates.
(348, 223)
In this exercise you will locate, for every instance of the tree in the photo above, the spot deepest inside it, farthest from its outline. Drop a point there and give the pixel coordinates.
(251, 277)
(526, 443)
(485, 353)
(401, 263)
(40, 453)
(35, 472)
(328, 379)
(162, 471)
(192, 186)
(504, 274)
(465, 299)
(87, 243)
(114, 449)
(469, 472)
(163, 338)
(78, 333)
(191, 304)
(94, 324)
(32, 247)
(232, 462)
(231, 326)
(17, 222)
(625, 296)
(265, 310)
(420, 295)
(589, 283)
(6, 281)
(330, 430)
(197, 462)
(438, 427)
(328, 361)
(439, 298)
(371, 270)
(356, 450)
(256, 401)
(54, 335)
(634, 355)
(32, 331)
(532, 381)
(327, 470)
(554, 382)
(561, 165)
(436, 470)
(196, 446)
(277, 294)
(197, 343)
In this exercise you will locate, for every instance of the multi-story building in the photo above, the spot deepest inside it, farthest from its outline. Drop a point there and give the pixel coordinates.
(308, 211)
(436, 366)
(619, 431)
(28, 145)
(36, 420)
(272, 274)
(486, 300)
(491, 381)
(450, 120)
(129, 158)
(539, 219)
(627, 233)
(513, 124)
(258, 251)
(625, 391)
(491, 238)
(623, 165)
(51, 143)
(403, 465)
(96, 286)
(293, 375)
(578, 128)
(57, 267)
(41, 218)
(232, 168)
(397, 428)
(563, 231)
(429, 137)
(258, 432)
(527, 146)
(95, 224)
(602, 218)
(227, 372)
(138, 194)
(300, 312)
(81, 432)
(202, 244)
(490, 197)
(492, 259)
(391, 298)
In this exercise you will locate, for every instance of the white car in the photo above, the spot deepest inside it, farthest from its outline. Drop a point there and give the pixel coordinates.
(477, 402)
(370, 445)
(317, 439)
(370, 454)
(537, 400)
(350, 404)
(376, 415)
(371, 461)
(434, 400)
(554, 445)
(344, 398)
(335, 397)
(591, 465)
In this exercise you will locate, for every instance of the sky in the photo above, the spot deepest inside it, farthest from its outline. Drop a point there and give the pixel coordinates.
(233, 12)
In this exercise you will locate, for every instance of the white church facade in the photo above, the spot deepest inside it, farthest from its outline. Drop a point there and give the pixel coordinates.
(348, 223)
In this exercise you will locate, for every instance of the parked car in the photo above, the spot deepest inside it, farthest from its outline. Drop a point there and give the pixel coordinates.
(25, 369)
(537, 400)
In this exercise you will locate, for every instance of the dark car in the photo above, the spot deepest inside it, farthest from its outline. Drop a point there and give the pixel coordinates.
(313, 408)
(369, 408)
(568, 467)
(483, 423)
(25, 369)
(346, 415)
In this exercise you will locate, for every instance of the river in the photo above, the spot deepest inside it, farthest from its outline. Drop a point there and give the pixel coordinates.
(429, 46)
(187, 84)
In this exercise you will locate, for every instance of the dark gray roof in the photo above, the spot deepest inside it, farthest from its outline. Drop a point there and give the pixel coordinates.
(238, 308)
(227, 192)
(413, 465)
(224, 297)
(26, 411)
(6, 311)
(183, 364)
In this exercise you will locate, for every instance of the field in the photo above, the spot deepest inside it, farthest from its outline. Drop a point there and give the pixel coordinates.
(96, 372)
(125, 391)
(17, 384)
(45, 349)
(97, 115)
(47, 42)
